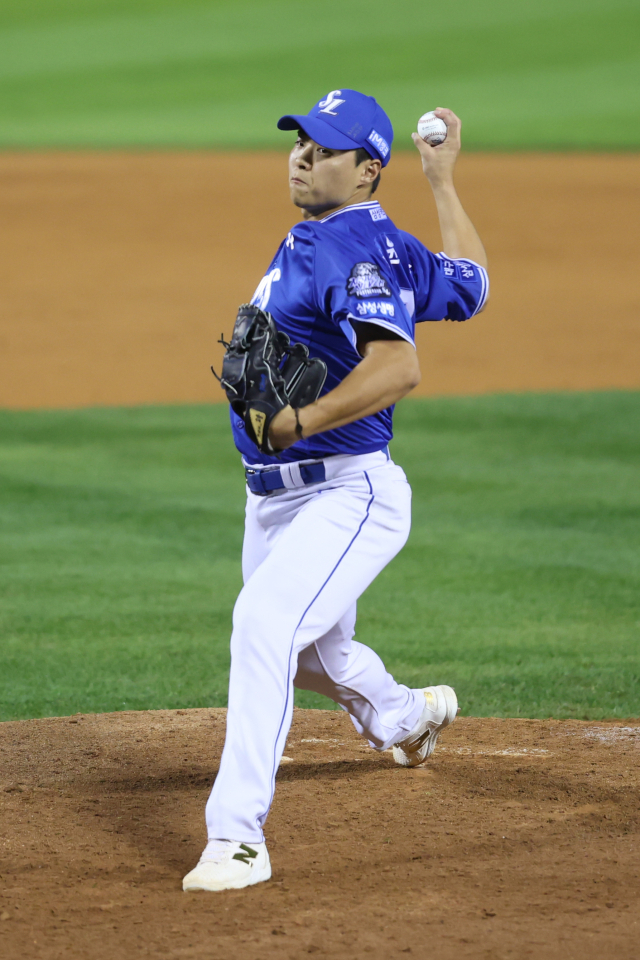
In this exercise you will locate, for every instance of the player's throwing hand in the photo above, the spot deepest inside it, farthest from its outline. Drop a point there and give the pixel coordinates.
(459, 236)
(438, 162)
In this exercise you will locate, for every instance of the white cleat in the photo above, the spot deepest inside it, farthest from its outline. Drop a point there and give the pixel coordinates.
(441, 707)
(229, 865)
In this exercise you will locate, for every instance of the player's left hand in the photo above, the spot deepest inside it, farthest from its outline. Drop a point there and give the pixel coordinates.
(438, 162)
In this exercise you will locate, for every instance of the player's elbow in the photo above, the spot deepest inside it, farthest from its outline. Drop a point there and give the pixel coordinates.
(414, 379)
(411, 375)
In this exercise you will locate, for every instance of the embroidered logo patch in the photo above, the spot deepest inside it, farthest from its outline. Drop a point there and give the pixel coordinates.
(378, 142)
(467, 272)
(448, 267)
(377, 213)
(365, 282)
(331, 103)
(458, 270)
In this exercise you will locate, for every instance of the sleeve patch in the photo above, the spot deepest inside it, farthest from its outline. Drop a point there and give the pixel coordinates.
(370, 308)
(458, 270)
(365, 281)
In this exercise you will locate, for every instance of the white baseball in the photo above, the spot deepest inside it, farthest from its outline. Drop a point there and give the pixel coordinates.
(432, 129)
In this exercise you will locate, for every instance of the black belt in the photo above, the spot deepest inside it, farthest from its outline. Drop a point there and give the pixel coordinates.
(266, 481)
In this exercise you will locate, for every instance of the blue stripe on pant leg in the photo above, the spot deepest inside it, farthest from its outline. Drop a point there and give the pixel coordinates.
(263, 817)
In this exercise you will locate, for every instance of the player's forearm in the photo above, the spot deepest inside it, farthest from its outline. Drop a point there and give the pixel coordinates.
(388, 371)
(459, 236)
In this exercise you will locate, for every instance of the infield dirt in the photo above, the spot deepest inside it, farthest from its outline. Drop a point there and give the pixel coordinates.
(120, 271)
(518, 839)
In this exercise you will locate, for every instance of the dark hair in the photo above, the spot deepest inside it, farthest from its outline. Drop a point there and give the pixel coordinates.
(361, 156)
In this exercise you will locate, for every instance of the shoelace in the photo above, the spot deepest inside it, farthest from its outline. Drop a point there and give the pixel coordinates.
(216, 850)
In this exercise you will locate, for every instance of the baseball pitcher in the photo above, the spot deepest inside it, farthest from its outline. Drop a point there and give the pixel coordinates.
(313, 369)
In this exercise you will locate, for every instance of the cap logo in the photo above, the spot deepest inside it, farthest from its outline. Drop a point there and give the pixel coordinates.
(331, 103)
(379, 143)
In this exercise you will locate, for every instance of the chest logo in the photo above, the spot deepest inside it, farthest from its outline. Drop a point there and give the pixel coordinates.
(331, 103)
(366, 282)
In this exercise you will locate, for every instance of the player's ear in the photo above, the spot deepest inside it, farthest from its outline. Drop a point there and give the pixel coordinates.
(370, 171)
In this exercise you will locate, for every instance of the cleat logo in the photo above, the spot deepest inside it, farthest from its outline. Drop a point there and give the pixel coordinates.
(432, 701)
(247, 855)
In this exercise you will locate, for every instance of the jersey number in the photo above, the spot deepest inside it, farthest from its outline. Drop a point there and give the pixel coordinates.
(263, 293)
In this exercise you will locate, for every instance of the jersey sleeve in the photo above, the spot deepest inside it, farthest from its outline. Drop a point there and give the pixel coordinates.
(352, 287)
(446, 288)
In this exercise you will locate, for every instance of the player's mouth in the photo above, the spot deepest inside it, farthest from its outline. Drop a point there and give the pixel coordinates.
(298, 180)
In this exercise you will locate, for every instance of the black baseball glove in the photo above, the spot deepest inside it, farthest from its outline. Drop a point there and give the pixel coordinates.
(262, 372)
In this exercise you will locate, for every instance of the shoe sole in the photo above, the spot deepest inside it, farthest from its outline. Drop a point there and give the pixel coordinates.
(254, 877)
(414, 760)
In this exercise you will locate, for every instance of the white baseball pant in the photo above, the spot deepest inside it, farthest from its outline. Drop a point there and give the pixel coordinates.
(308, 554)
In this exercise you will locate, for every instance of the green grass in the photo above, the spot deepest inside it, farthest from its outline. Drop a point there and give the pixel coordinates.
(541, 74)
(520, 585)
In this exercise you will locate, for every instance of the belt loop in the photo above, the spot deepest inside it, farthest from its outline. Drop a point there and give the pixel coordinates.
(290, 475)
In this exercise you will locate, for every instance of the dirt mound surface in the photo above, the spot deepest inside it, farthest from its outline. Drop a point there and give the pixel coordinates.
(518, 839)
(120, 270)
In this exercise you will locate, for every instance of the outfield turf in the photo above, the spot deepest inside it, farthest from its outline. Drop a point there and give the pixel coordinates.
(541, 74)
(520, 584)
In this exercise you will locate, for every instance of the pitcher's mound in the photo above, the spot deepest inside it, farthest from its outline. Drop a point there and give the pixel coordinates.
(518, 839)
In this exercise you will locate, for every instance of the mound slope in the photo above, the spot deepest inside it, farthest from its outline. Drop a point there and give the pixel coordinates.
(519, 839)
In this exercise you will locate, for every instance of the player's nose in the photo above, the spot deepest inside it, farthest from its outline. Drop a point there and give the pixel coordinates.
(305, 157)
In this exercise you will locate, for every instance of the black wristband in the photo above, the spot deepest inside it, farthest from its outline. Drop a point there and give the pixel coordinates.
(298, 430)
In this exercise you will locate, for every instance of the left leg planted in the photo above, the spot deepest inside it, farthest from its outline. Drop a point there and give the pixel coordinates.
(229, 865)
(327, 555)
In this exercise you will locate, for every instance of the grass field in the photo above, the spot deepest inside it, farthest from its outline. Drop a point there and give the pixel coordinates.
(520, 585)
(542, 74)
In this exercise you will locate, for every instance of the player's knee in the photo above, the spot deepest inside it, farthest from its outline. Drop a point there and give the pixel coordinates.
(248, 617)
(258, 623)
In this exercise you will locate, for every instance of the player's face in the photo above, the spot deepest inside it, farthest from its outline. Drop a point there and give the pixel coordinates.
(321, 179)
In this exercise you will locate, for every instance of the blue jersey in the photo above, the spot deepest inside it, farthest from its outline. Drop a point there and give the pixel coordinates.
(355, 265)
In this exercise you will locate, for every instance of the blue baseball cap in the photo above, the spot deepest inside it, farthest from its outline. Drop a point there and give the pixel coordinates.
(346, 120)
